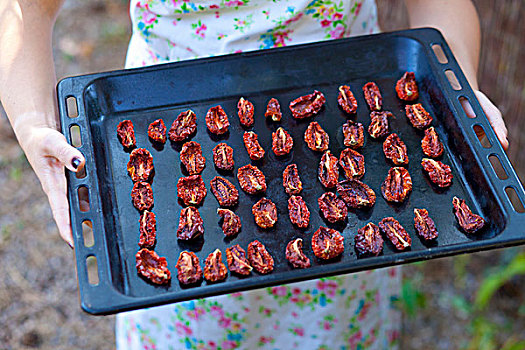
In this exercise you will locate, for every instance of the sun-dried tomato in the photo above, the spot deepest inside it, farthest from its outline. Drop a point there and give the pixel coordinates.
(231, 222)
(295, 254)
(353, 163)
(406, 87)
(223, 156)
(251, 179)
(147, 229)
(354, 134)
(140, 165)
(142, 196)
(157, 131)
(273, 110)
(468, 221)
(183, 126)
(373, 96)
(328, 172)
(191, 189)
(327, 243)
(217, 120)
(259, 257)
(265, 213)
(307, 105)
(291, 181)
(298, 211)
(251, 142)
(214, 268)
(418, 116)
(424, 225)
(316, 138)
(395, 233)
(237, 261)
(333, 208)
(282, 142)
(356, 194)
(431, 145)
(395, 149)
(126, 134)
(346, 99)
(190, 224)
(152, 267)
(225, 192)
(189, 268)
(192, 158)
(368, 240)
(438, 172)
(245, 112)
(379, 125)
(397, 185)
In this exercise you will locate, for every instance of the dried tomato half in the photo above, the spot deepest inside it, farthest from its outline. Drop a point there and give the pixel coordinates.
(431, 145)
(346, 99)
(291, 182)
(354, 134)
(140, 165)
(225, 192)
(373, 96)
(469, 222)
(183, 126)
(406, 87)
(214, 268)
(282, 142)
(142, 196)
(192, 158)
(356, 194)
(189, 268)
(126, 134)
(395, 149)
(395, 233)
(251, 142)
(245, 112)
(259, 257)
(251, 179)
(217, 120)
(223, 156)
(237, 261)
(147, 229)
(397, 185)
(298, 211)
(316, 138)
(265, 213)
(273, 110)
(327, 243)
(152, 267)
(353, 163)
(231, 222)
(424, 225)
(368, 240)
(190, 224)
(191, 189)
(379, 126)
(307, 105)
(418, 116)
(333, 208)
(438, 172)
(157, 131)
(295, 255)
(328, 172)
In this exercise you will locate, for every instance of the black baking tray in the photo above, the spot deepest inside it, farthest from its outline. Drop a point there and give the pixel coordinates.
(163, 91)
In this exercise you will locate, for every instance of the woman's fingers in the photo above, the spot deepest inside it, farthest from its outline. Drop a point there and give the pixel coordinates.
(495, 118)
(56, 146)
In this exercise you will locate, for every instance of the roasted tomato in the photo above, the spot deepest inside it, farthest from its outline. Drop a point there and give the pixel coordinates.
(424, 225)
(126, 134)
(189, 268)
(373, 96)
(282, 142)
(333, 208)
(214, 268)
(152, 267)
(353, 163)
(354, 134)
(328, 170)
(295, 255)
(468, 221)
(298, 211)
(406, 87)
(379, 126)
(223, 156)
(431, 145)
(368, 240)
(265, 213)
(397, 185)
(418, 116)
(157, 131)
(142, 196)
(147, 229)
(217, 120)
(237, 261)
(251, 142)
(327, 243)
(395, 150)
(259, 257)
(251, 179)
(190, 224)
(225, 192)
(245, 112)
(395, 233)
(356, 194)
(231, 222)
(273, 110)
(191, 189)
(316, 138)
(291, 181)
(308, 105)
(438, 172)
(347, 100)
(140, 165)
(191, 157)
(183, 126)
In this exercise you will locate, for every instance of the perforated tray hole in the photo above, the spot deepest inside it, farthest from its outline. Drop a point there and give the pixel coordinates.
(92, 270)
(83, 199)
(71, 107)
(81, 173)
(454, 83)
(498, 168)
(76, 138)
(515, 200)
(87, 233)
(467, 107)
(440, 54)
(480, 132)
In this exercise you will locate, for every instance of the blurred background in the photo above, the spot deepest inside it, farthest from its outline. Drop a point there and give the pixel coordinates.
(474, 301)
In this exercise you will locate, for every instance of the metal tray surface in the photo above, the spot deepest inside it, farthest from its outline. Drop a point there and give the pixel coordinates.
(145, 94)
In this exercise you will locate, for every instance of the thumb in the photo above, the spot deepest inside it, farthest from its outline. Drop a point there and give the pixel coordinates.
(55, 145)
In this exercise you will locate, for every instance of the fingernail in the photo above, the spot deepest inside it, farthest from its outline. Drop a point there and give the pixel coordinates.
(76, 162)
(70, 245)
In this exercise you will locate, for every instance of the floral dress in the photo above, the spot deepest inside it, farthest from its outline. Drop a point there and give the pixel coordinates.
(355, 311)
